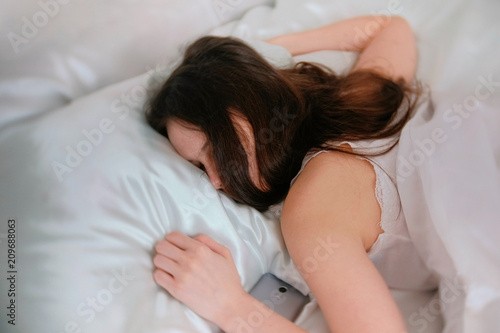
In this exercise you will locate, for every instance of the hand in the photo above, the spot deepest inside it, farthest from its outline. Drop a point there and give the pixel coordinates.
(200, 273)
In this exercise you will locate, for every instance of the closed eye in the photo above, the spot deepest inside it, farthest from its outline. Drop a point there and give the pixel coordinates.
(199, 165)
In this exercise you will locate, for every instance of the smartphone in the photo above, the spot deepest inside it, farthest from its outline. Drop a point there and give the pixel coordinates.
(279, 296)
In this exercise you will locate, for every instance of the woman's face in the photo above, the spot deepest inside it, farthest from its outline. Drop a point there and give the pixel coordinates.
(192, 145)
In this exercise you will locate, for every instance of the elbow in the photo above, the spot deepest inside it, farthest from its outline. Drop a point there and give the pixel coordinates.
(403, 31)
(399, 20)
(385, 21)
(400, 25)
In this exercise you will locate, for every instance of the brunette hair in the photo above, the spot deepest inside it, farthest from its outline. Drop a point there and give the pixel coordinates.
(291, 111)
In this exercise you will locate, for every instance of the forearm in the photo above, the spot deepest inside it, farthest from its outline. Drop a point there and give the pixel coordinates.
(353, 34)
(386, 44)
(252, 315)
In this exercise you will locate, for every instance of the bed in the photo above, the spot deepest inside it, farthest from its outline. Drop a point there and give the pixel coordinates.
(87, 188)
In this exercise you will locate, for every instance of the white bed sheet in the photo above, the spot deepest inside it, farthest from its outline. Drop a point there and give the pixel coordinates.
(89, 233)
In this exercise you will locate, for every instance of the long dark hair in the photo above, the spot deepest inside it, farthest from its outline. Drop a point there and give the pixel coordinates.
(291, 111)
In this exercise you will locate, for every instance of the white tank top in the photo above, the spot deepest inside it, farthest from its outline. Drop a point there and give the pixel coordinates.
(393, 253)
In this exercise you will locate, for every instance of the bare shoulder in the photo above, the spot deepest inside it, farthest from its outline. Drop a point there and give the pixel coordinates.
(332, 215)
(335, 191)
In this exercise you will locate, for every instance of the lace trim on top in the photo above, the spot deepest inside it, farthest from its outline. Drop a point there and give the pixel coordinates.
(385, 192)
(388, 200)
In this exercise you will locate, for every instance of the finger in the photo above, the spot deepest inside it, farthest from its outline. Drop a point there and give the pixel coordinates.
(166, 264)
(214, 246)
(170, 250)
(165, 280)
(182, 241)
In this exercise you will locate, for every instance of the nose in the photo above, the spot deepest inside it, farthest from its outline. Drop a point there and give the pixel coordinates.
(215, 180)
(217, 184)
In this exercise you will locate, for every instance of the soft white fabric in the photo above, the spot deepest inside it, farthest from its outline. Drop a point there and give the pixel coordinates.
(54, 51)
(91, 236)
(449, 182)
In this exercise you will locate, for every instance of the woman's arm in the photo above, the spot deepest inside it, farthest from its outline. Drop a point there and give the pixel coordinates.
(386, 44)
(201, 273)
(329, 222)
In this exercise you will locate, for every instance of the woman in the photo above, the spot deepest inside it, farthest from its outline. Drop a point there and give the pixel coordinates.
(254, 128)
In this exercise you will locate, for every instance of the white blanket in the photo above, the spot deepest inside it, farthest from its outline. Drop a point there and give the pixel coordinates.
(91, 188)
